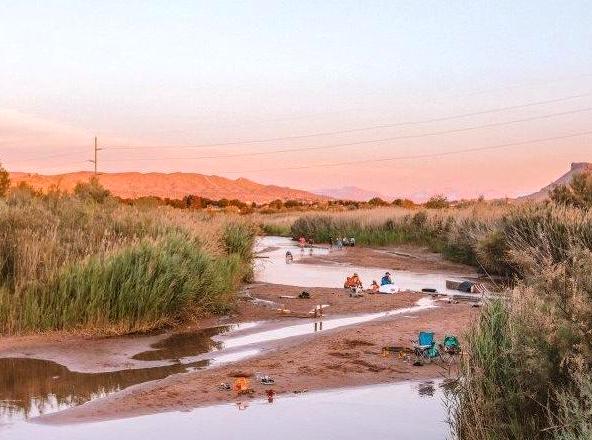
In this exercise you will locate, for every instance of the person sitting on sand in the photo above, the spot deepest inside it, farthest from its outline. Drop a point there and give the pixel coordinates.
(289, 257)
(353, 282)
(386, 279)
(374, 287)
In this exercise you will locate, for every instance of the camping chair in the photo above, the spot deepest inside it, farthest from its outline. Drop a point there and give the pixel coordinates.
(450, 347)
(425, 347)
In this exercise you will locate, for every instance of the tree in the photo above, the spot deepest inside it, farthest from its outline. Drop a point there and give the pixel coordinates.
(577, 193)
(92, 190)
(404, 203)
(4, 181)
(438, 201)
(377, 201)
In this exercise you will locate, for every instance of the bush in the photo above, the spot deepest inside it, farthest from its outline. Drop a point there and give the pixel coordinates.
(577, 193)
(523, 367)
(437, 202)
(4, 181)
(92, 190)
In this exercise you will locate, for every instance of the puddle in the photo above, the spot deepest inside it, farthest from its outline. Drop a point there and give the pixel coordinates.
(182, 345)
(375, 412)
(30, 387)
(274, 270)
(312, 327)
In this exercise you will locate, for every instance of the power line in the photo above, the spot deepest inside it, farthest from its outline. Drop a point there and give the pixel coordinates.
(349, 144)
(52, 156)
(454, 93)
(361, 129)
(420, 156)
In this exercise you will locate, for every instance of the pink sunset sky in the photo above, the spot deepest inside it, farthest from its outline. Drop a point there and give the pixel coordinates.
(387, 96)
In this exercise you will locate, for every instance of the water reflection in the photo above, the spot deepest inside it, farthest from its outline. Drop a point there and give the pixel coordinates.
(182, 345)
(426, 389)
(393, 411)
(30, 387)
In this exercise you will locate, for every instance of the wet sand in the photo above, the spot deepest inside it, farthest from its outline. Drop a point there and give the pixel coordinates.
(88, 354)
(344, 357)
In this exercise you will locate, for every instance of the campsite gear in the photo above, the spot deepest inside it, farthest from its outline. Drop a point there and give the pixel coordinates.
(450, 344)
(449, 348)
(425, 346)
(401, 352)
(241, 384)
(267, 380)
(356, 293)
(466, 286)
(429, 290)
(224, 387)
(304, 295)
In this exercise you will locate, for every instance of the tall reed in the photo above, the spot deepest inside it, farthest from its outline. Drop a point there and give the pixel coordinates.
(67, 263)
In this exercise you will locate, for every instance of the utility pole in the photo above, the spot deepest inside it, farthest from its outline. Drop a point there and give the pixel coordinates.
(95, 160)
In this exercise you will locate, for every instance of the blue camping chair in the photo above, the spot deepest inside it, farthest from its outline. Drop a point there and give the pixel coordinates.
(425, 346)
(449, 348)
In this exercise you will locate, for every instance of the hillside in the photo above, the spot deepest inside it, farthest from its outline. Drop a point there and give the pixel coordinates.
(576, 168)
(174, 185)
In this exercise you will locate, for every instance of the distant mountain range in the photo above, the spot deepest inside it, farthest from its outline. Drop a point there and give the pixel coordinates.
(350, 193)
(174, 185)
(576, 168)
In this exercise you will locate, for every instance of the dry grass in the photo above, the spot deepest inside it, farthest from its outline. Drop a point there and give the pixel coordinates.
(69, 263)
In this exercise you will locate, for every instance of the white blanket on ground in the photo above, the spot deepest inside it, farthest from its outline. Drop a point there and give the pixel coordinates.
(389, 288)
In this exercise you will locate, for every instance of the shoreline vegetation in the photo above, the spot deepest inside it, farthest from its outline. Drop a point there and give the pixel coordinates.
(89, 263)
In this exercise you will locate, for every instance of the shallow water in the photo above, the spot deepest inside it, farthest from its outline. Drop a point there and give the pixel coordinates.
(318, 325)
(273, 269)
(399, 411)
(31, 387)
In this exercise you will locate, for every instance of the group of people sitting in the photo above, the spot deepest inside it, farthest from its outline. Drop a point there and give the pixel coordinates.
(341, 242)
(355, 283)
